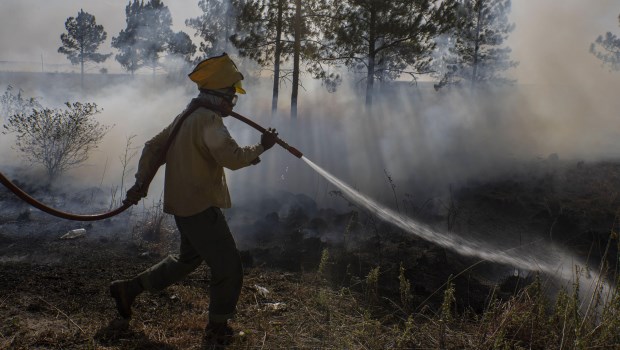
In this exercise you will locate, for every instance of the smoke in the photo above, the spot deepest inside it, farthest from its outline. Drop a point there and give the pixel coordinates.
(552, 41)
(565, 103)
(423, 139)
(428, 141)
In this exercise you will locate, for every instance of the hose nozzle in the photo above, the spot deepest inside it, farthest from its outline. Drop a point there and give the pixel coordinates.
(294, 151)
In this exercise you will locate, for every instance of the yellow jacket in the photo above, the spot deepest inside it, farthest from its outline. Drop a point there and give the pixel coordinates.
(195, 178)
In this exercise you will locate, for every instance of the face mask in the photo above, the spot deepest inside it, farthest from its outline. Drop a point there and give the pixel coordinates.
(231, 99)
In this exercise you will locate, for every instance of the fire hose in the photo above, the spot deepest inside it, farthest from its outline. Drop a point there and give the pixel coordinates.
(94, 217)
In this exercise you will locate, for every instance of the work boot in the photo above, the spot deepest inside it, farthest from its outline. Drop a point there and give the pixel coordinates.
(218, 335)
(124, 293)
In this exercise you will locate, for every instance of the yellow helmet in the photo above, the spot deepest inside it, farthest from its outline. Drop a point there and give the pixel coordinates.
(217, 72)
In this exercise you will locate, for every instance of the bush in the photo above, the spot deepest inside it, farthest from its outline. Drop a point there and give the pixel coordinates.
(59, 139)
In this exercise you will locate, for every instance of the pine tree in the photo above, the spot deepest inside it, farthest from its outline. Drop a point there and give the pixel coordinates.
(148, 35)
(127, 41)
(384, 39)
(181, 50)
(607, 49)
(81, 41)
(261, 34)
(156, 32)
(215, 25)
(479, 55)
(273, 31)
(181, 44)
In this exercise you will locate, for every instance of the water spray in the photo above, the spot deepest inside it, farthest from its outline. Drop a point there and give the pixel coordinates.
(555, 262)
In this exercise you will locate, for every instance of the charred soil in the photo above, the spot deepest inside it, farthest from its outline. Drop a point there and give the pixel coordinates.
(318, 278)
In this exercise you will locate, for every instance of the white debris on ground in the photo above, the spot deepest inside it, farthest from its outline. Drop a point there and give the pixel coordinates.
(261, 290)
(73, 234)
(275, 306)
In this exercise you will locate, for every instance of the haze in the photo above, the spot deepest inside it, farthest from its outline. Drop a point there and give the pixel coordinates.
(567, 102)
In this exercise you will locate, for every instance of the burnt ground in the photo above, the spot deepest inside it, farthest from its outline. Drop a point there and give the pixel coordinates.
(53, 292)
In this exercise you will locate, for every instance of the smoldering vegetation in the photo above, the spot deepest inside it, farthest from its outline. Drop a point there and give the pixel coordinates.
(511, 166)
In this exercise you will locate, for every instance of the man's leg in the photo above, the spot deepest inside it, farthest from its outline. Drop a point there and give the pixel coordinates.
(210, 236)
(172, 269)
(159, 276)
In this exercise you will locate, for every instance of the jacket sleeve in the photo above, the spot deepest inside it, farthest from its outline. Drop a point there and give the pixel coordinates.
(224, 148)
(151, 154)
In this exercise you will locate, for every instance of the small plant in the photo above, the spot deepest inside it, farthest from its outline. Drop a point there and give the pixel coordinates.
(446, 316)
(610, 322)
(349, 228)
(323, 299)
(11, 103)
(405, 338)
(448, 302)
(372, 284)
(324, 262)
(152, 232)
(405, 289)
(574, 309)
(117, 193)
(130, 153)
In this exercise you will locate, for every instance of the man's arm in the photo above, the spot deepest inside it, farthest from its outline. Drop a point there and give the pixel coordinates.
(225, 149)
(151, 159)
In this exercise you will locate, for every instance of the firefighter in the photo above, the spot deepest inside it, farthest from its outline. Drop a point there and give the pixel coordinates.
(195, 190)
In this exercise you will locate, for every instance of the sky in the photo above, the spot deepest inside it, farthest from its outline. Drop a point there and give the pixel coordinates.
(547, 32)
(30, 29)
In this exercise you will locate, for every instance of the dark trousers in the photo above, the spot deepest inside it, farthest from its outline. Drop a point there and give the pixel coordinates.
(204, 237)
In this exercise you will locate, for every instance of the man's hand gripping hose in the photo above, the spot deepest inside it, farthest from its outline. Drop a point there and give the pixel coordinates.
(134, 195)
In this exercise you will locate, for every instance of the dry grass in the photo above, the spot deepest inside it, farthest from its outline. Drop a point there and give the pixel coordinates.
(300, 310)
(350, 299)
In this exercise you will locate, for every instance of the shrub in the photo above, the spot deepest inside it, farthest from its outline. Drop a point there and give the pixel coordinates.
(58, 139)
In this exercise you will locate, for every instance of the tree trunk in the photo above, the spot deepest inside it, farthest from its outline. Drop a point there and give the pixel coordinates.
(276, 64)
(82, 43)
(296, 54)
(82, 68)
(133, 65)
(477, 44)
(370, 77)
(227, 24)
(82, 73)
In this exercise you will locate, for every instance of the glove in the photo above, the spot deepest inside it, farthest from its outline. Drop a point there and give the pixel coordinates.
(135, 194)
(269, 138)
